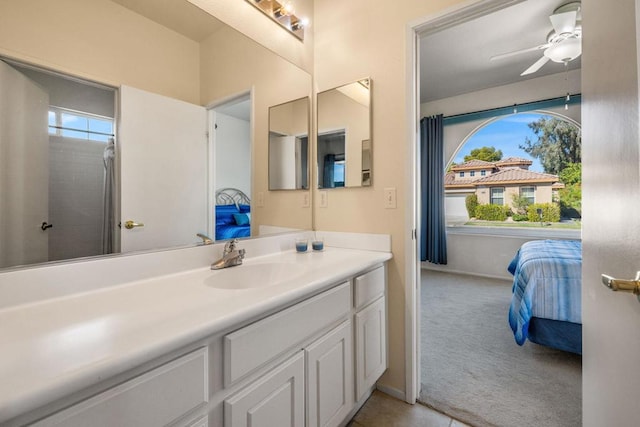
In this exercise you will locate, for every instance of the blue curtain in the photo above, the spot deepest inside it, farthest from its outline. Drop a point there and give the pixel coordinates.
(433, 233)
(327, 174)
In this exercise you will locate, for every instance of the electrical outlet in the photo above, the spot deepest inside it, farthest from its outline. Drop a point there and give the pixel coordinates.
(305, 199)
(260, 199)
(323, 199)
(390, 198)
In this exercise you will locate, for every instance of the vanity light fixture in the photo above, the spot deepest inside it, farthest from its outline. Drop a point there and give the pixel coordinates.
(282, 12)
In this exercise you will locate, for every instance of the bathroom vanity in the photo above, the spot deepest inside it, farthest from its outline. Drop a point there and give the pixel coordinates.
(285, 339)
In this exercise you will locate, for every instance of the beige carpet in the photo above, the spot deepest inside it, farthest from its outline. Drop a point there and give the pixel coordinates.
(473, 370)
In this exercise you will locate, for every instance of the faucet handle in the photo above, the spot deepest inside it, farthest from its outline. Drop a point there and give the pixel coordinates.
(230, 246)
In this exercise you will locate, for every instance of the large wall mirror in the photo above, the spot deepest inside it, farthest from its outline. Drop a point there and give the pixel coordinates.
(344, 144)
(90, 70)
(289, 145)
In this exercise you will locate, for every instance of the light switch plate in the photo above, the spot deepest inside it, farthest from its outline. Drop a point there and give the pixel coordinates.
(323, 199)
(260, 199)
(390, 198)
(305, 199)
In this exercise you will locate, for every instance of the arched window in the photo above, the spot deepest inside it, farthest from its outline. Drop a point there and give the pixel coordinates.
(521, 170)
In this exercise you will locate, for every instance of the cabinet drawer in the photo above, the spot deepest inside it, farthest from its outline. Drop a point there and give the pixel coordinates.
(253, 346)
(151, 399)
(369, 287)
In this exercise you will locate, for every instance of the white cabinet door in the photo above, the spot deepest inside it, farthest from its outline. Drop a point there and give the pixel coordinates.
(163, 161)
(330, 378)
(276, 399)
(371, 352)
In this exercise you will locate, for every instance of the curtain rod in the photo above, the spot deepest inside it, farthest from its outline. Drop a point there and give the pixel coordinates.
(502, 111)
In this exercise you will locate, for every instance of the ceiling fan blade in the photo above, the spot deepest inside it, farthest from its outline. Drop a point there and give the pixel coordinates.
(536, 66)
(564, 22)
(518, 52)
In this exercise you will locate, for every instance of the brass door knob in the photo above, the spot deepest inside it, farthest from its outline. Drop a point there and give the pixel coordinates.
(131, 224)
(631, 286)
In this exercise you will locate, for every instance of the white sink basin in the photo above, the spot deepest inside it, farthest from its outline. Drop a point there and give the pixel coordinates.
(247, 276)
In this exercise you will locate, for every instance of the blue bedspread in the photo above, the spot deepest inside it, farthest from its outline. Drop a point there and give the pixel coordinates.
(547, 284)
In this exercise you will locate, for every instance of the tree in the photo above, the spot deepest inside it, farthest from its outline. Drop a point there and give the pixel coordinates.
(488, 154)
(559, 144)
(571, 195)
(571, 174)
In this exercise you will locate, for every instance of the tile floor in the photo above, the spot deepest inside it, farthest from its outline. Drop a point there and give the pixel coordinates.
(382, 410)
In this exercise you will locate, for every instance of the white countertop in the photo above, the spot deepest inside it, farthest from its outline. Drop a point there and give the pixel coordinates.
(55, 347)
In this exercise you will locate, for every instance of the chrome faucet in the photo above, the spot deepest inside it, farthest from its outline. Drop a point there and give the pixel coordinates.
(206, 240)
(230, 256)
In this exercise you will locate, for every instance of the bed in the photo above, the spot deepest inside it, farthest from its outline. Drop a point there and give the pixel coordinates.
(233, 214)
(546, 305)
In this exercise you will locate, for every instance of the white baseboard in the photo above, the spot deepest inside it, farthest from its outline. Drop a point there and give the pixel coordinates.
(425, 266)
(393, 392)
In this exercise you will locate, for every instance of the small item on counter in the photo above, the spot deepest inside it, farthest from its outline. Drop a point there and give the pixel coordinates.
(302, 244)
(317, 244)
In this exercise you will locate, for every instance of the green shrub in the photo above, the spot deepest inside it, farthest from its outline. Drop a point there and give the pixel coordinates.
(507, 211)
(550, 212)
(471, 201)
(491, 212)
(520, 204)
(519, 217)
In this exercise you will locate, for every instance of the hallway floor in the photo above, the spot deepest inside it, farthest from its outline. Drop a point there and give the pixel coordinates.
(382, 410)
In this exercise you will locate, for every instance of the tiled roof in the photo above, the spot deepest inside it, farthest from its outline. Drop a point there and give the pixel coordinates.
(451, 181)
(514, 161)
(474, 164)
(514, 175)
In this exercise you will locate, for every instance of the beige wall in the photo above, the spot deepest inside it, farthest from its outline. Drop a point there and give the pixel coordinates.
(102, 41)
(361, 38)
(273, 81)
(250, 21)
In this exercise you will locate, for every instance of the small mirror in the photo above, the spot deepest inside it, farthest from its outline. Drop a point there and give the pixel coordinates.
(289, 145)
(344, 149)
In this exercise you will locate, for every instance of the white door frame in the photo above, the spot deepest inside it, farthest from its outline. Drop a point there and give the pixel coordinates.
(432, 23)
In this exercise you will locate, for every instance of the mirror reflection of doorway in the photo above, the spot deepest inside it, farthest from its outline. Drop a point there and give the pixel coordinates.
(232, 168)
(59, 197)
(331, 159)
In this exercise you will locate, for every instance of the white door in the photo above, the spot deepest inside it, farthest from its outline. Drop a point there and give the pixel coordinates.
(611, 203)
(282, 162)
(371, 346)
(330, 378)
(24, 169)
(275, 399)
(163, 170)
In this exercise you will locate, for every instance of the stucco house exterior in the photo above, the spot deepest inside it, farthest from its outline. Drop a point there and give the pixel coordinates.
(496, 183)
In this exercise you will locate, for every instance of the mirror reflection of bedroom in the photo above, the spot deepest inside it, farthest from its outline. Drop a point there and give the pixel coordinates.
(501, 333)
(232, 182)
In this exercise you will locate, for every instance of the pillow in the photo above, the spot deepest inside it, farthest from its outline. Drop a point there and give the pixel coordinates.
(242, 218)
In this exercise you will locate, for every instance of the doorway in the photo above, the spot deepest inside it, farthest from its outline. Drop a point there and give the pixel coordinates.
(492, 95)
(60, 132)
(231, 165)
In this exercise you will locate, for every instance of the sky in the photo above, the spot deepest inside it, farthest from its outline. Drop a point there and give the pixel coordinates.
(505, 134)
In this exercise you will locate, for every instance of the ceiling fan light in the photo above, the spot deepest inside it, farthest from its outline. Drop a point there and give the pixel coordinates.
(565, 51)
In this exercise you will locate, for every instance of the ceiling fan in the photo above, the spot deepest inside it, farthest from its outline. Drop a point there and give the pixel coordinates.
(564, 42)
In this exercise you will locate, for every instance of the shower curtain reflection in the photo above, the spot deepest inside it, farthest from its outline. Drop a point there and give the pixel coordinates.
(109, 220)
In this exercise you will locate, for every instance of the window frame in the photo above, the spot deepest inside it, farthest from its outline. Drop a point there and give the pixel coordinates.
(492, 198)
(58, 129)
(533, 193)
